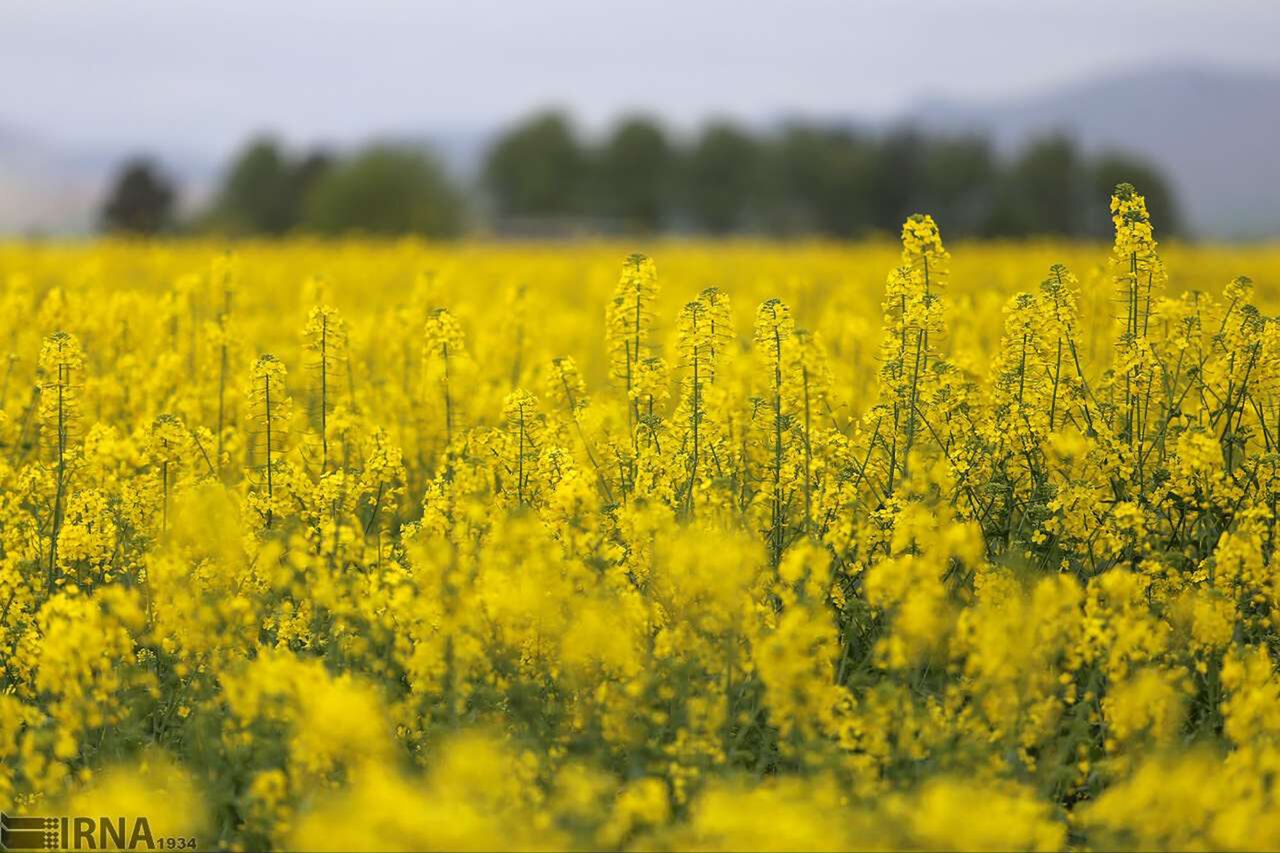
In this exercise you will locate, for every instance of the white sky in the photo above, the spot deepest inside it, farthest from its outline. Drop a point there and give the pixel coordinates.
(200, 75)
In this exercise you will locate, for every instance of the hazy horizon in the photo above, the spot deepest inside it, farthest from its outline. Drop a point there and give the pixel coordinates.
(199, 78)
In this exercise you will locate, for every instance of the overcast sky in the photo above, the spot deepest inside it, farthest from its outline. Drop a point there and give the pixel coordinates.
(200, 75)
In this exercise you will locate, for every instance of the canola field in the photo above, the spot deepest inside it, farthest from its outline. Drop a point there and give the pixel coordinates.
(368, 545)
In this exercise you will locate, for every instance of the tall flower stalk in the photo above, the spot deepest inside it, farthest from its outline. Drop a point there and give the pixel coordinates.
(61, 362)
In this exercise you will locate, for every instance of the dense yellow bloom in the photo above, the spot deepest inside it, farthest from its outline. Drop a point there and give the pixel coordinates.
(887, 546)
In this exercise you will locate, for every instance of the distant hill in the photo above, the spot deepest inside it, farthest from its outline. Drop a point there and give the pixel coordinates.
(41, 188)
(1213, 132)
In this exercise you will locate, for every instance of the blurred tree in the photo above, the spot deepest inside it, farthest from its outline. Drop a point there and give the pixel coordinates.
(895, 191)
(385, 190)
(723, 179)
(537, 169)
(1111, 168)
(959, 180)
(803, 179)
(634, 175)
(304, 175)
(140, 201)
(825, 177)
(253, 198)
(1043, 193)
(264, 190)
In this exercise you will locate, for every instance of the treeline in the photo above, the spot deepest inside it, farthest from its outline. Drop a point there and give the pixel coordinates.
(542, 178)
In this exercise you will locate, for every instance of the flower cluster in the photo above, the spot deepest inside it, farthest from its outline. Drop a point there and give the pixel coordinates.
(715, 573)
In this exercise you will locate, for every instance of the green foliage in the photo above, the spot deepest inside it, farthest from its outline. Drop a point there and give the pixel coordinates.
(722, 177)
(805, 178)
(1041, 194)
(141, 200)
(385, 190)
(537, 169)
(825, 177)
(265, 189)
(635, 172)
